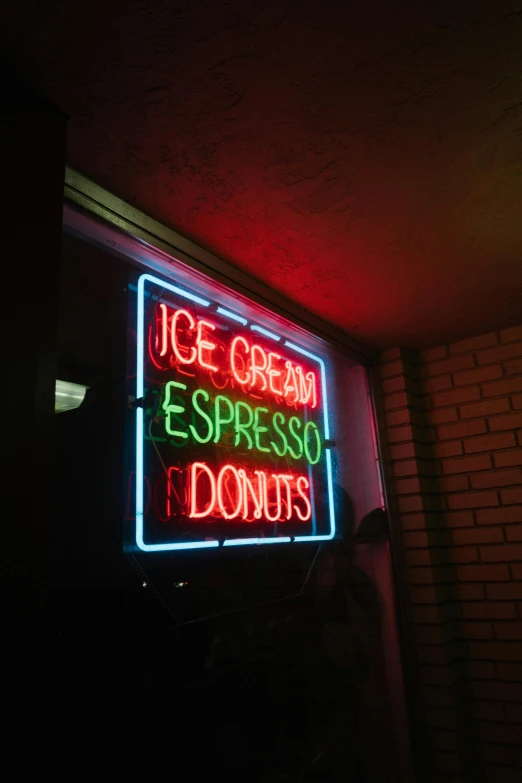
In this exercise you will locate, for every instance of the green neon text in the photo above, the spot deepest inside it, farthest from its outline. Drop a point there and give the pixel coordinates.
(255, 428)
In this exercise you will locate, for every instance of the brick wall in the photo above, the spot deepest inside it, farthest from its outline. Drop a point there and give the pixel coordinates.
(452, 435)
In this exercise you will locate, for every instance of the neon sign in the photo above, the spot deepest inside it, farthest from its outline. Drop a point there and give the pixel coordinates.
(231, 429)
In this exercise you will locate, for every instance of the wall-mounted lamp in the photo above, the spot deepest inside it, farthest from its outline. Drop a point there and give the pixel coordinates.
(68, 396)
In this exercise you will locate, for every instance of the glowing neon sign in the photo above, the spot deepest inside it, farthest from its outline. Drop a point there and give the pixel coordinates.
(231, 431)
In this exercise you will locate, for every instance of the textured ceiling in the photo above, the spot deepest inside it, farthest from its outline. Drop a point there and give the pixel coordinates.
(364, 158)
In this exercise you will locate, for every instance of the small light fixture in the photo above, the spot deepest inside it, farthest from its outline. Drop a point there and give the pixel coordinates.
(68, 396)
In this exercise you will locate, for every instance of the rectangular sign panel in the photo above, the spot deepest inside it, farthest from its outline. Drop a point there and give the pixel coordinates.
(232, 431)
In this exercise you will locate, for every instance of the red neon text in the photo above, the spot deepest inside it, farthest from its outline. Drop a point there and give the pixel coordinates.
(190, 341)
(254, 368)
(231, 493)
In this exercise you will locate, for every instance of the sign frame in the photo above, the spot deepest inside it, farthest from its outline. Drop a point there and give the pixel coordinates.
(291, 346)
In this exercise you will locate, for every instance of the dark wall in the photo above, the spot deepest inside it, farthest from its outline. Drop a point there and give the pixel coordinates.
(33, 145)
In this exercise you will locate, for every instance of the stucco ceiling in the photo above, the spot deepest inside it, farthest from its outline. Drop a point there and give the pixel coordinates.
(364, 158)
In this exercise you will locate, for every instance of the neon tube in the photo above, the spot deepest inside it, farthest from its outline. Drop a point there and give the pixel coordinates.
(173, 339)
(221, 504)
(303, 393)
(261, 330)
(327, 437)
(140, 329)
(233, 345)
(246, 541)
(231, 315)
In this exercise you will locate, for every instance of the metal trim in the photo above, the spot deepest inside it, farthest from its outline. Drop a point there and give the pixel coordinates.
(90, 197)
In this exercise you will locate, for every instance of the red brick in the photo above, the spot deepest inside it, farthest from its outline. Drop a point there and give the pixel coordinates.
(496, 478)
(487, 711)
(473, 500)
(423, 434)
(516, 399)
(480, 375)
(400, 434)
(390, 369)
(516, 570)
(390, 353)
(437, 384)
(500, 388)
(501, 592)
(511, 335)
(481, 535)
(434, 502)
(438, 654)
(432, 354)
(443, 740)
(431, 539)
(424, 595)
(497, 553)
(488, 610)
(408, 486)
(456, 519)
(467, 592)
(391, 385)
(511, 672)
(418, 557)
(505, 459)
(496, 651)
(505, 733)
(402, 451)
(466, 464)
(499, 516)
(410, 503)
(463, 429)
(514, 367)
(450, 365)
(435, 634)
(415, 484)
(433, 612)
(442, 415)
(400, 416)
(519, 437)
(514, 533)
(498, 691)
(415, 540)
(449, 449)
(428, 467)
(456, 396)
(414, 521)
(453, 483)
(474, 343)
(393, 401)
(514, 714)
(508, 630)
(436, 574)
(485, 408)
(504, 440)
(449, 764)
(511, 496)
(405, 468)
(463, 554)
(474, 630)
(509, 422)
(425, 451)
(483, 573)
(439, 717)
(480, 670)
(499, 354)
(501, 755)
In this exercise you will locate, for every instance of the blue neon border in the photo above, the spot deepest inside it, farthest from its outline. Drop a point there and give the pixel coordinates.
(140, 335)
